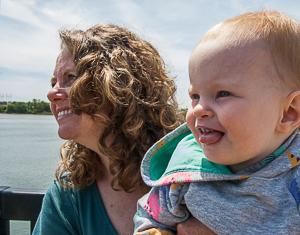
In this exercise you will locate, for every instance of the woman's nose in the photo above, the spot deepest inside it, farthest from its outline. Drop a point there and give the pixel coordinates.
(202, 111)
(56, 94)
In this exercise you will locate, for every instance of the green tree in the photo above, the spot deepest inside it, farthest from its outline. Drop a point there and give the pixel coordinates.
(32, 107)
(16, 107)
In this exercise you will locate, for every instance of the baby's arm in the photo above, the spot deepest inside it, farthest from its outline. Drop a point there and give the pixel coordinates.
(194, 227)
(161, 210)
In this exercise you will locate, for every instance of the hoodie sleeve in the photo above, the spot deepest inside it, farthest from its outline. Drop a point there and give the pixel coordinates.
(161, 210)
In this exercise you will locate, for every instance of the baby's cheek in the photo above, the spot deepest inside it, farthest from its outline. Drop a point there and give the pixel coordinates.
(190, 119)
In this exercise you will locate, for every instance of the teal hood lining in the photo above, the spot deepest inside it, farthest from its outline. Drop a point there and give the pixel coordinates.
(178, 158)
(179, 152)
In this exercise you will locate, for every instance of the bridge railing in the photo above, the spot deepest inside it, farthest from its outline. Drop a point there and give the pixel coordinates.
(19, 204)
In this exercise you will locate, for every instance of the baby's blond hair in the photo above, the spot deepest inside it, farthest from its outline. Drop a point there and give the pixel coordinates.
(280, 33)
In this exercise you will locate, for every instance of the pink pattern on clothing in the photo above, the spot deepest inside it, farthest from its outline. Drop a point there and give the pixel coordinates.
(152, 206)
(178, 177)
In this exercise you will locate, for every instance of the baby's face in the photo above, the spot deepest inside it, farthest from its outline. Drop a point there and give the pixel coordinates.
(236, 101)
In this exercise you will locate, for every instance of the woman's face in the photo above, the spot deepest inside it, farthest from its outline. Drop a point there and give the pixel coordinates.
(81, 128)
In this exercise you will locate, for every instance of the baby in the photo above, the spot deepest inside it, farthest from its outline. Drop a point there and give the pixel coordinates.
(235, 164)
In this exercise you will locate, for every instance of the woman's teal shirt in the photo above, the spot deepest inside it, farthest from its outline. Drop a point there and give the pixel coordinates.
(73, 212)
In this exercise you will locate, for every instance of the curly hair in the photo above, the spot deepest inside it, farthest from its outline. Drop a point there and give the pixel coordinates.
(124, 74)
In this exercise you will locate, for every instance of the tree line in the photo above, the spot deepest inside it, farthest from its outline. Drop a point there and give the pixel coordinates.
(31, 107)
(35, 106)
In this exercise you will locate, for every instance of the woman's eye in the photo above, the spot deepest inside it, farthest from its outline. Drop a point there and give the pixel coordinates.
(223, 94)
(52, 82)
(70, 79)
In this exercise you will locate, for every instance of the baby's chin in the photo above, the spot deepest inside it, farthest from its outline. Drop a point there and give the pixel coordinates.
(217, 158)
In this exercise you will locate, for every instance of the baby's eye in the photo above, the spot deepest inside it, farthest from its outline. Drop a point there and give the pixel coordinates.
(195, 97)
(223, 94)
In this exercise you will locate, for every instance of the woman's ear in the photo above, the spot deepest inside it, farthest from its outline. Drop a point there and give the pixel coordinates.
(290, 119)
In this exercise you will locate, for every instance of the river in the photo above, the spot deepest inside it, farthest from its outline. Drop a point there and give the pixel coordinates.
(29, 152)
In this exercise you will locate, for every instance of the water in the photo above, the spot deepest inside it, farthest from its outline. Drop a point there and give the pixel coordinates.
(29, 152)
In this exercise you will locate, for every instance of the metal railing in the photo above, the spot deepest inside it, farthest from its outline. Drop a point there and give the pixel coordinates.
(19, 204)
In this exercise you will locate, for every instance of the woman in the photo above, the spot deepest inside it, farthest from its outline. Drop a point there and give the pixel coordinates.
(112, 99)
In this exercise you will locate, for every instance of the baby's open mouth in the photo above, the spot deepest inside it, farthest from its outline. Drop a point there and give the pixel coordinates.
(209, 136)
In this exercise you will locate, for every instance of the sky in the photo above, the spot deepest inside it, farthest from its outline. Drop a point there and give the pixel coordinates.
(29, 42)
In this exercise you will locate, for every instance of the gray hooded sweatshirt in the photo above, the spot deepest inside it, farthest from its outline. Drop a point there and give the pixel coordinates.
(261, 199)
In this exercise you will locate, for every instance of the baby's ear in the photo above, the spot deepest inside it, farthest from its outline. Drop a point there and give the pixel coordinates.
(290, 119)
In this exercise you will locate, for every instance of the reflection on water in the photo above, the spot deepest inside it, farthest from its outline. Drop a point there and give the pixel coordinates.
(29, 151)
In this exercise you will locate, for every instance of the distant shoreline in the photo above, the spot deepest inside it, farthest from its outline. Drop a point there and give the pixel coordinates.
(28, 113)
(31, 107)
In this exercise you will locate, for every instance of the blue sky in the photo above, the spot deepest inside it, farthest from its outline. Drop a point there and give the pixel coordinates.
(29, 33)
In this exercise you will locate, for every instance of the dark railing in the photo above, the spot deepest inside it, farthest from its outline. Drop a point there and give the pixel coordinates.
(19, 204)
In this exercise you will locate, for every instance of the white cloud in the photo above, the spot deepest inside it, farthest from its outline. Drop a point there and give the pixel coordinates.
(27, 87)
(35, 52)
(29, 31)
(21, 11)
(37, 48)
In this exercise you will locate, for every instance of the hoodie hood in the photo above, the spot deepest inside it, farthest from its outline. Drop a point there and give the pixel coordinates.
(178, 158)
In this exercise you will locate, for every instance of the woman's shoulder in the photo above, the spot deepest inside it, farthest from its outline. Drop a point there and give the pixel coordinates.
(68, 194)
(62, 211)
(63, 199)
(81, 207)
(67, 202)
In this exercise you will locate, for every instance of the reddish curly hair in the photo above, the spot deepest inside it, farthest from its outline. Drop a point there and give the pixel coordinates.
(122, 73)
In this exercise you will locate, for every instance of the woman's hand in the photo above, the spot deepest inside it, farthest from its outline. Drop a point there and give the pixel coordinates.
(193, 227)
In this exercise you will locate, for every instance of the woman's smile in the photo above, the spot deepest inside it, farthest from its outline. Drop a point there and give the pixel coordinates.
(64, 113)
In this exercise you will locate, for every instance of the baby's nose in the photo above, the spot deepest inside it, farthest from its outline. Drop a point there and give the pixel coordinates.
(202, 111)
